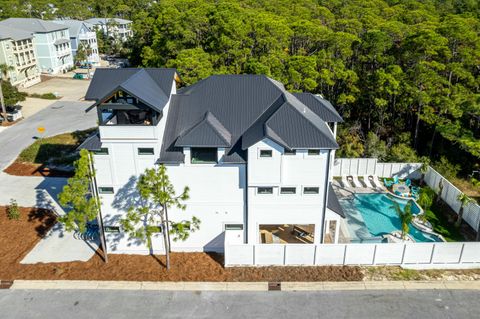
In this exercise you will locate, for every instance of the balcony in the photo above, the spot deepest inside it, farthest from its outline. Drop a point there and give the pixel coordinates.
(87, 36)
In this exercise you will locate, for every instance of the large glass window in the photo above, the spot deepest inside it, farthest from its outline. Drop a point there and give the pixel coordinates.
(203, 155)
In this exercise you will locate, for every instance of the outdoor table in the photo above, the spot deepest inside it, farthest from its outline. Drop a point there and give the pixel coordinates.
(401, 188)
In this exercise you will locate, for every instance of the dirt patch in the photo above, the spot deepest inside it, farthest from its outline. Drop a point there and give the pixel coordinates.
(30, 169)
(7, 123)
(17, 238)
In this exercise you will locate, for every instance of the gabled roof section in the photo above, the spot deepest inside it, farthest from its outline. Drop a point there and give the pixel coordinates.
(91, 143)
(103, 21)
(32, 25)
(209, 132)
(151, 86)
(320, 106)
(74, 26)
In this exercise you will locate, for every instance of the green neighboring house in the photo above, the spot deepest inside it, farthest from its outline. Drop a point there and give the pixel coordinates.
(17, 49)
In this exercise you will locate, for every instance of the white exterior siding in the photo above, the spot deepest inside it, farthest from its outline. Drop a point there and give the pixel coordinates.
(299, 171)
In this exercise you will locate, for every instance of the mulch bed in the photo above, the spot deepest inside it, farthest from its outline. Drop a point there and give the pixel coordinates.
(29, 169)
(18, 237)
(7, 123)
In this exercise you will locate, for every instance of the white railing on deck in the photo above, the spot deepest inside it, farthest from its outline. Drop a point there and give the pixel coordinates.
(427, 255)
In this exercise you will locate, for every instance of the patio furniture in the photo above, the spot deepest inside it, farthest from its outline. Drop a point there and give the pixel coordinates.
(387, 183)
(368, 181)
(355, 181)
(345, 181)
(396, 180)
(408, 182)
(378, 182)
(401, 189)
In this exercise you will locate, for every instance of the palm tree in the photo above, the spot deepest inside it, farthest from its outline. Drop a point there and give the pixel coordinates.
(405, 216)
(464, 201)
(4, 76)
(424, 168)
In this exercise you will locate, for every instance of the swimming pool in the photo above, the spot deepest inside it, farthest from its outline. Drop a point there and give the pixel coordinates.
(372, 215)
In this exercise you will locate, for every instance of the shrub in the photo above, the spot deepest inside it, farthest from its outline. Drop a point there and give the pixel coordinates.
(46, 96)
(426, 198)
(13, 212)
(447, 169)
(374, 147)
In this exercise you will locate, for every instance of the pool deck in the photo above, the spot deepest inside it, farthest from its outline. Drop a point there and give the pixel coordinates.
(356, 227)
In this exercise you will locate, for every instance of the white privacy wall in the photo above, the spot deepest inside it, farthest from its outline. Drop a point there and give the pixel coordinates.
(417, 255)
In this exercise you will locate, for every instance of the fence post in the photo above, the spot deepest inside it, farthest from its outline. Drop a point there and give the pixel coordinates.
(315, 255)
(431, 256)
(253, 253)
(374, 254)
(345, 254)
(461, 254)
(284, 255)
(403, 253)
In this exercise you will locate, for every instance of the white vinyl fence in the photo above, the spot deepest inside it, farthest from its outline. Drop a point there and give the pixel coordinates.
(418, 255)
(471, 213)
(370, 166)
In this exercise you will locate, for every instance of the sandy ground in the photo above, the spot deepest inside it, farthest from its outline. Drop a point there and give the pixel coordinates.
(32, 105)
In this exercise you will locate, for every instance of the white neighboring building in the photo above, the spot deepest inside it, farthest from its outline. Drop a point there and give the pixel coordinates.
(120, 29)
(80, 32)
(52, 43)
(257, 158)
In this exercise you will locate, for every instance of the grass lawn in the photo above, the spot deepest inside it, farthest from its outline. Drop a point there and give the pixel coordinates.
(55, 150)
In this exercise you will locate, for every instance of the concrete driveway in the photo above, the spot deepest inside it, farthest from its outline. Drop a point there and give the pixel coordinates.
(60, 117)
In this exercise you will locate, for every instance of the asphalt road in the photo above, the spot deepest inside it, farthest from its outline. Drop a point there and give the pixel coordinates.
(117, 304)
(60, 117)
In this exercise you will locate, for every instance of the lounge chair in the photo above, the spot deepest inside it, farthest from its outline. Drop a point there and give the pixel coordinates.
(408, 182)
(387, 183)
(415, 190)
(355, 181)
(378, 182)
(367, 181)
(395, 180)
(345, 181)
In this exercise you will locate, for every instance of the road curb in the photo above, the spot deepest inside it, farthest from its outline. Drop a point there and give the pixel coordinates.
(242, 286)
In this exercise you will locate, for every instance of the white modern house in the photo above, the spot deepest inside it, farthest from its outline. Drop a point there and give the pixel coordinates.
(82, 33)
(52, 43)
(120, 29)
(17, 49)
(256, 158)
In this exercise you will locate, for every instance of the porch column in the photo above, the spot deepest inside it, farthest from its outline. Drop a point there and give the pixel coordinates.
(337, 231)
(327, 226)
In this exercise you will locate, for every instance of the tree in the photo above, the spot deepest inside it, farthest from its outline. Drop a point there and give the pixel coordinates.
(374, 147)
(4, 69)
(405, 216)
(80, 197)
(464, 201)
(424, 167)
(158, 195)
(83, 52)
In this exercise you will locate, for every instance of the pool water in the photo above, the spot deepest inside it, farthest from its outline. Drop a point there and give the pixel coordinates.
(379, 217)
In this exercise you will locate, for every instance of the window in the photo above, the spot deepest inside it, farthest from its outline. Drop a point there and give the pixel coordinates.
(111, 229)
(233, 227)
(102, 151)
(311, 190)
(289, 152)
(265, 153)
(105, 190)
(145, 151)
(265, 190)
(203, 155)
(313, 152)
(288, 190)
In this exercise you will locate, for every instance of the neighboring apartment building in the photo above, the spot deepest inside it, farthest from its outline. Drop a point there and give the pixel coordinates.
(256, 158)
(17, 49)
(116, 28)
(52, 43)
(82, 33)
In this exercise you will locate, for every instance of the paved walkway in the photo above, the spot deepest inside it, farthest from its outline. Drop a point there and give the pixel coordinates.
(58, 245)
(58, 118)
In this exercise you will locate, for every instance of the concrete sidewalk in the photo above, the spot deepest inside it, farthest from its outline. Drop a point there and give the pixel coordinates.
(244, 286)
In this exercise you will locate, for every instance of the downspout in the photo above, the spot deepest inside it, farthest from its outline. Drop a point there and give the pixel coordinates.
(245, 232)
(325, 198)
(101, 230)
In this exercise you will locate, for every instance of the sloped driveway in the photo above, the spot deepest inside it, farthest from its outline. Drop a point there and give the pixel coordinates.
(60, 117)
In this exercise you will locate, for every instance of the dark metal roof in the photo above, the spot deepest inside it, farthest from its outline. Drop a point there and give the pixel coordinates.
(320, 106)
(92, 143)
(151, 86)
(209, 132)
(332, 202)
(249, 108)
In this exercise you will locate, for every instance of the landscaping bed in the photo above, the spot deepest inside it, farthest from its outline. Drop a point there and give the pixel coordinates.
(50, 156)
(17, 238)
